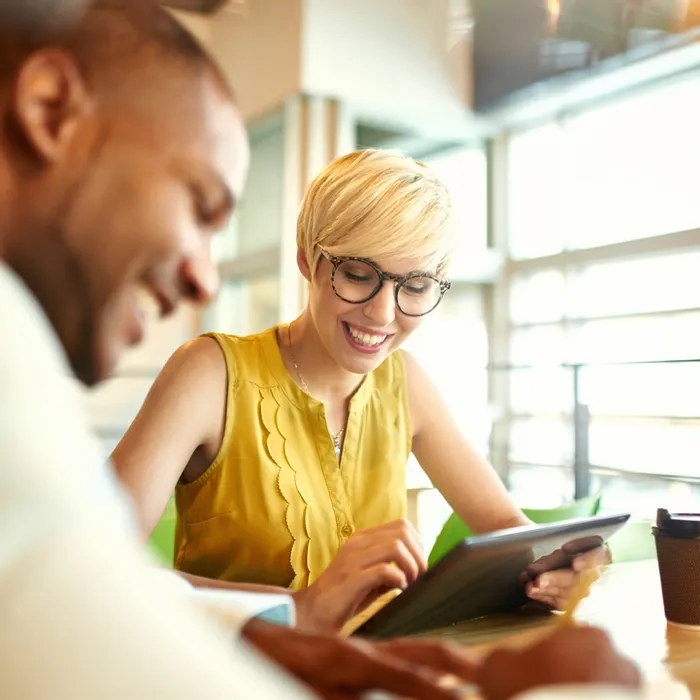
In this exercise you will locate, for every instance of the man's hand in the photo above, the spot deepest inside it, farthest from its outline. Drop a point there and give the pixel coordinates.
(570, 655)
(342, 669)
(371, 563)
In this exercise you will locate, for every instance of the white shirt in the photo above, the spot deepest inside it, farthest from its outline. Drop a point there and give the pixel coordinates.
(659, 690)
(82, 615)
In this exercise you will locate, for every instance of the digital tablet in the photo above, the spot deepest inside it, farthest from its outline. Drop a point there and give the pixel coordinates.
(487, 574)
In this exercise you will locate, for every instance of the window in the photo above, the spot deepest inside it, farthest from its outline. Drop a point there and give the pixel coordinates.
(624, 322)
(631, 167)
(452, 343)
(536, 201)
(247, 305)
(464, 172)
(621, 172)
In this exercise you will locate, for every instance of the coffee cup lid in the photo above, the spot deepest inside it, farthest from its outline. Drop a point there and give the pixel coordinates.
(678, 524)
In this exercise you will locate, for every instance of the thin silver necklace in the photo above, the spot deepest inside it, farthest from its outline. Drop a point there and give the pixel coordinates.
(336, 437)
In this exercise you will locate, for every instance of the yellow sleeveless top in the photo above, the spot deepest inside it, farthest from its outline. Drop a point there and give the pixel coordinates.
(275, 505)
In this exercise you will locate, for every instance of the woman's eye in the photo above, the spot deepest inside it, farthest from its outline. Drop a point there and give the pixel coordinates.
(354, 277)
(419, 286)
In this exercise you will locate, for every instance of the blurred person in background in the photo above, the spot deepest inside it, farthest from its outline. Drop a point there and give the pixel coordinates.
(287, 450)
(82, 615)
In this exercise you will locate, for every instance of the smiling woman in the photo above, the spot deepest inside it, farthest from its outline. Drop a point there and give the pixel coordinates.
(289, 448)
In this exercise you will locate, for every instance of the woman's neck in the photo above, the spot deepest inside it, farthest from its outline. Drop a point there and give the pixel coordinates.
(311, 366)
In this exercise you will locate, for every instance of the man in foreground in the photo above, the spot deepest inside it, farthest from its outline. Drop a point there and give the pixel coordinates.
(121, 153)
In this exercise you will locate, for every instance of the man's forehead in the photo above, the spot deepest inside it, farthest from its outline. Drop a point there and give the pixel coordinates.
(199, 129)
(225, 141)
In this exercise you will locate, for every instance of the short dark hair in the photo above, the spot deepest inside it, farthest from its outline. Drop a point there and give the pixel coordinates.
(103, 35)
(147, 22)
(40, 17)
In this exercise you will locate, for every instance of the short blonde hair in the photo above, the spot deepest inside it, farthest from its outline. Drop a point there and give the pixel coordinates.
(375, 204)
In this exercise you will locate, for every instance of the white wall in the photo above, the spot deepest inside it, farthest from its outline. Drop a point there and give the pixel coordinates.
(259, 50)
(199, 25)
(386, 59)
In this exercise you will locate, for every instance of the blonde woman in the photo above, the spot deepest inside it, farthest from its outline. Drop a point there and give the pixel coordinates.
(287, 449)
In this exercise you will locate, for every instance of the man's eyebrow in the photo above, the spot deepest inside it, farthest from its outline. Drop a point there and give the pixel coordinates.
(228, 198)
(202, 180)
(221, 203)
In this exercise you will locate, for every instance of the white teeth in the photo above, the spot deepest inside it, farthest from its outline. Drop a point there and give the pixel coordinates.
(365, 338)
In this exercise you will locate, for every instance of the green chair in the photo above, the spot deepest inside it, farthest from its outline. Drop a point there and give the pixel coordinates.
(454, 530)
(634, 542)
(162, 540)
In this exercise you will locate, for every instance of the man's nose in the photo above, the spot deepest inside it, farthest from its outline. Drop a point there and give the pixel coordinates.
(381, 309)
(199, 278)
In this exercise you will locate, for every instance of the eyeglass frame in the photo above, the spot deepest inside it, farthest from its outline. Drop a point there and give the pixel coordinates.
(398, 280)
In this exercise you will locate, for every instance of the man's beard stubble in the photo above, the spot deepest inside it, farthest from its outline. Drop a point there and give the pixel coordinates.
(59, 281)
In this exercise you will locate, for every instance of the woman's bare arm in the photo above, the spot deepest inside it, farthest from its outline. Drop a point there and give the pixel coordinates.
(468, 482)
(178, 430)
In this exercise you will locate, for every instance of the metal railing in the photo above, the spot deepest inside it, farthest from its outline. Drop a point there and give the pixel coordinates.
(581, 418)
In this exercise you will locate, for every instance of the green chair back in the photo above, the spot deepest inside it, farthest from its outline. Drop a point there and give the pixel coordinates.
(455, 530)
(162, 539)
(634, 542)
(582, 508)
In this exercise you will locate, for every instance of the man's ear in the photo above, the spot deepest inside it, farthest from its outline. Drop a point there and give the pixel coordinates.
(303, 264)
(50, 100)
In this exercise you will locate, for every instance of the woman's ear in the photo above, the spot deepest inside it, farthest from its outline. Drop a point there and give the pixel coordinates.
(303, 264)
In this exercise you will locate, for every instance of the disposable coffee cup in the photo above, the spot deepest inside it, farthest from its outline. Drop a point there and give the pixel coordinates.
(677, 537)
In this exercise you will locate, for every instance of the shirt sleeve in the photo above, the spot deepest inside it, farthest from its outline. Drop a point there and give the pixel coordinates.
(83, 614)
(657, 690)
(84, 618)
(581, 693)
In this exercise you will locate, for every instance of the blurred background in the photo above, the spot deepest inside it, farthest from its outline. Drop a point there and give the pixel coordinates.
(569, 134)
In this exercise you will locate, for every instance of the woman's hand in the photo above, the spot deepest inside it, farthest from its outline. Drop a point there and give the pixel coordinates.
(371, 563)
(551, 582)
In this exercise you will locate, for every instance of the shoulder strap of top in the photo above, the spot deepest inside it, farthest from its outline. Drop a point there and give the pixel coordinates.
(247, 357)
(228, 348)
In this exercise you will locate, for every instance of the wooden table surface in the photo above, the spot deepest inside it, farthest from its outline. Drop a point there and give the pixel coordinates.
(627, 603)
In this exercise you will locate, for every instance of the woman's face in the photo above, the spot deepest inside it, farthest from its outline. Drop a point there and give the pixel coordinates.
(360, 336)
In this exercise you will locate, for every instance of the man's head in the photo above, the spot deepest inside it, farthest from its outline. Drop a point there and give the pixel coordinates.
(121, 153)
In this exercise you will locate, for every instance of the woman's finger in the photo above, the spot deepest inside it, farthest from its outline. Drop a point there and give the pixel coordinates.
(561, 579)
(369, 583)
(408, 534)
(349, 564)
(600, 556)
(397, 530)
